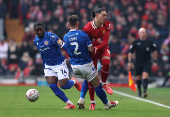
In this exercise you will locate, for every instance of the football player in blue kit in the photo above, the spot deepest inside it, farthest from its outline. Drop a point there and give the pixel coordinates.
(54, 63)
(78, 46)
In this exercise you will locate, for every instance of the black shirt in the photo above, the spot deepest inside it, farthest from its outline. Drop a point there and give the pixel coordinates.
(143, 49)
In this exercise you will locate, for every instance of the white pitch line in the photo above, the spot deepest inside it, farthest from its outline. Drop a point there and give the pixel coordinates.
(137, 98)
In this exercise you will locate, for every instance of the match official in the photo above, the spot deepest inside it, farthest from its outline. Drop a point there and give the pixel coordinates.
(143, 48)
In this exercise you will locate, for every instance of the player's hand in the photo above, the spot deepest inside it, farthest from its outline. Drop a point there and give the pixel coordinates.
(95, 50)
(155, 64)
(129, 65)
(99, 40)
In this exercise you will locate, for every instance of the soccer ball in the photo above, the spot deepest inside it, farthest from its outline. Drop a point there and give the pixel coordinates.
(32, 95)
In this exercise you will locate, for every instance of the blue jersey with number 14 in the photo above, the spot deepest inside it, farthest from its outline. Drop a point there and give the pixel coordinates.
(77, 43)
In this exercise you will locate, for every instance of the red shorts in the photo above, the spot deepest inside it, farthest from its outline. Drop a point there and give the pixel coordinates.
(99, 55)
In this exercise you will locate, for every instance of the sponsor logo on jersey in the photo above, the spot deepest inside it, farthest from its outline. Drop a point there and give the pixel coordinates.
(43, 49)
(46, 42)
(93, 40)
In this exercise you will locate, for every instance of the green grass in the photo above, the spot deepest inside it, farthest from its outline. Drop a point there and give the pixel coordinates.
(13, 103)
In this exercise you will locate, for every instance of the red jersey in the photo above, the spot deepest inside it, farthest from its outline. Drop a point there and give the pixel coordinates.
(94, 33)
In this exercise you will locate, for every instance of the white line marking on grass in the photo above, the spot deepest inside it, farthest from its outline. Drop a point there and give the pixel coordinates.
(137, 98)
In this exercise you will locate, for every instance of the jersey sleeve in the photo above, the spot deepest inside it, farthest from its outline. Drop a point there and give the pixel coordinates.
(88, 41)
(132, 47)
(54, 38)
(153, 46)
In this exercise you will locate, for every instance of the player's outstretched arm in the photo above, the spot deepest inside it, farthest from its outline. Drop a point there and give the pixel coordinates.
(61, 44)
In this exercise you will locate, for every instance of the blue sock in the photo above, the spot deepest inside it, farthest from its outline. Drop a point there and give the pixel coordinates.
(101, 94)
(58, 92)
(84, 89)
(69, 84)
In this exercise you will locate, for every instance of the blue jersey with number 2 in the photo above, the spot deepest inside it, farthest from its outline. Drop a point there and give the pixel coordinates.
(77, 43)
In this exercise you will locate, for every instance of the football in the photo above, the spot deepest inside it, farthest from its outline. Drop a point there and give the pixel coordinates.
(32, 95)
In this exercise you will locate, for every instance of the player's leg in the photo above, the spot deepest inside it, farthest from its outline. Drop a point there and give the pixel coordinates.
(139, 82)
(138, 68)
(63, 76)
(105, 61)
(84, 90)
(52, 81)
(91, 75)
(92, 89)
(101, 94)
(145, 76)
(61, 72)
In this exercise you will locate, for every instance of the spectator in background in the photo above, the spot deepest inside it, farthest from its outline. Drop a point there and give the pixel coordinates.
(29, 36)
(3, 12)
(14, 8)
(24, 48)
(24, 60)
(114, 46)
(3, 56)
(13, 57)
(3, 48)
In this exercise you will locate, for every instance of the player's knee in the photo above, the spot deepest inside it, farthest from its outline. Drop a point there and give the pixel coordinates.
(62, 83)
(62, 86)
(105, 62)
(145, 75)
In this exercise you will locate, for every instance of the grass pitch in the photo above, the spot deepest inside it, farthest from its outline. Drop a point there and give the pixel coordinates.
(13, 103)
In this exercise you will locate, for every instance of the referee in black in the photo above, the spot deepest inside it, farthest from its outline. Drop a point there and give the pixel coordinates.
(143, 48)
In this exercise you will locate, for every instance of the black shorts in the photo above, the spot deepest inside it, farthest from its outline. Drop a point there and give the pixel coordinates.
(141, 66)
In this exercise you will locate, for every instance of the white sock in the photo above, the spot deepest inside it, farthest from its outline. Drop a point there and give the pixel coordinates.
(108, 103)
(69, 102)
(93, 101)
(82, 99)
(103, 83)
(74, 82)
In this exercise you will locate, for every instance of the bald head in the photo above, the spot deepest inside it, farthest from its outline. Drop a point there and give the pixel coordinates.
(142, 33)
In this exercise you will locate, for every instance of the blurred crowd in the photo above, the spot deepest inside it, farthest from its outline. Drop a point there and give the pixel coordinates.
(125, 16)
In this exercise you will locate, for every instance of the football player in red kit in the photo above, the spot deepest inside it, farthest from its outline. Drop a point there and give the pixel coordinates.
(99, 30)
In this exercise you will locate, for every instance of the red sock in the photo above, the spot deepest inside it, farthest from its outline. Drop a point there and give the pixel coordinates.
(105, 69)
(91, 91)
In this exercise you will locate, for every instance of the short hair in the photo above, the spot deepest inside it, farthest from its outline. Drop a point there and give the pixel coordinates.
(97, 11)
(72, 20)
(38, 24)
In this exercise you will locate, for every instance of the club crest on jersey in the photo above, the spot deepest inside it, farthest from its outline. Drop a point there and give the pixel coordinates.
(147, 49)
(104, 31)
(46, 42)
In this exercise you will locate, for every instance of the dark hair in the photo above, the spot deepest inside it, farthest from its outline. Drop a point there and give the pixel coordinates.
(38, 24)
(72, 20)
(97, 11)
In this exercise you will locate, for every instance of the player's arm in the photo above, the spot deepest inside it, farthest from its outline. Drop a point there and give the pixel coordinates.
(57, 41)
(105, 40)
(131, 50)
(62, 44)
(89, 44)
(155, 54)
(91, 48)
